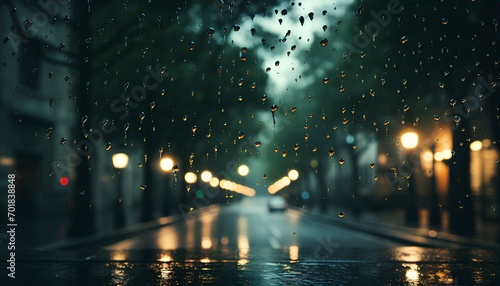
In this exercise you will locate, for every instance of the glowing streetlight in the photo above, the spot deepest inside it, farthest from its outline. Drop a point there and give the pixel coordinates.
(438, 156)
(293, 174)
(166, 164)
(447, 154)
(214, 182)
(120, 160)
(206, 176)
(243, 170)
(409, 140)
(190, 178)
(476, 145)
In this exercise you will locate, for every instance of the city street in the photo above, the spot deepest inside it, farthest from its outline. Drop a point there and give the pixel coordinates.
(244, 244)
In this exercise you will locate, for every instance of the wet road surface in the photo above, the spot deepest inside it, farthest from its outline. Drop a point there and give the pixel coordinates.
(244, 244)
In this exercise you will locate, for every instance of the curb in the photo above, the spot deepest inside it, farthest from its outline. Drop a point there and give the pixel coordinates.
(404, 234)
(109, 237)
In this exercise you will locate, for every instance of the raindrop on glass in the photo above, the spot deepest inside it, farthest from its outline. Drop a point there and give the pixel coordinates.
(108, 146)
(301, 19)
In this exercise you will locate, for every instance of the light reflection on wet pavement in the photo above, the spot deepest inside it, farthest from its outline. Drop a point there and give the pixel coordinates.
(345, 266)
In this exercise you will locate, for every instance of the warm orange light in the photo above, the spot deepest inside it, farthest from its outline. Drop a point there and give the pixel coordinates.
(476, 145)
(409, 140)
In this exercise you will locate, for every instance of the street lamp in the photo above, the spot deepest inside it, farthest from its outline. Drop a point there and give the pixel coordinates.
(190, 178)
(434, 215)
(293, 174)
(477, 147)
(243, 170)
(409, 140)
(206, 176)
(120, 162)
(166, 164)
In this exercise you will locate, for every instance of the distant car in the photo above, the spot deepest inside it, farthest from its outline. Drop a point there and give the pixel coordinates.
(277, 203)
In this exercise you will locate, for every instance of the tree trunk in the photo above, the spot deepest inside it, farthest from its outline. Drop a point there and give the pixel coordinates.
(82, 222)
(460, 206)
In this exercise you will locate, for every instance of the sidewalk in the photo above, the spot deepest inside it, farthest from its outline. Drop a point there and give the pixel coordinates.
(391, 224)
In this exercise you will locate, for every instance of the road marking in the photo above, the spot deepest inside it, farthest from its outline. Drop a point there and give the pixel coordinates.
(274, 243)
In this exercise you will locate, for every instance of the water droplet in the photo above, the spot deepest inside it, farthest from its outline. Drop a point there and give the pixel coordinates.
(324, 42)
(241, 135)
(296, 147)
(311, 15)
(326, 80)
(257, 144)
(331, 152)
(406, 107)
(444, 21)
(47, 133)
(141, 17)
(324, 28)
(142, 187)
(62, 140)
(274, 108)
(108, 146)
(341, 161)
(175, 169)
(85, 118)
(341, 214)
(210, 32)
(436, 117)
(236, 28)
(372, 165)
(253, 31)
(453, 102)
(404, 40)
(191, 45)
(301, 20)
(457, 118)
(277, 63)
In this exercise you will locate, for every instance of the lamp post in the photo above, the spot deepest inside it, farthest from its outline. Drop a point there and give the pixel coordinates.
(409, 140)
(166, 165)
(477, 147)
(120, 162)
(434, 213)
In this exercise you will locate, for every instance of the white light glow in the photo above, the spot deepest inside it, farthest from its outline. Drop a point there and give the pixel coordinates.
(243, 170)
(206, 176)
(120, 160)
(166, 164)
(476, 145)
(293, 175)
(409, 140)
(190, 178)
